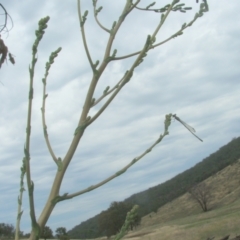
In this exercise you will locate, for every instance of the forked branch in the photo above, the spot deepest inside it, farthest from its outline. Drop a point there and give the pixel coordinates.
(66, 196)
(107, 91)
(128, 75)
(203, 8)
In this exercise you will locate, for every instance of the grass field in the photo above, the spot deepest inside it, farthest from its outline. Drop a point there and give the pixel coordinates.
(217, 223)
(183, 219)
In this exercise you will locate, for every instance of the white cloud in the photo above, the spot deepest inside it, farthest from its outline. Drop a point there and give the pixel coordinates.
(195, 75)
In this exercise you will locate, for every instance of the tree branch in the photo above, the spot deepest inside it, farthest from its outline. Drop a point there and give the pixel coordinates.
(39, 34)
(4, 25)
(106, 92)
(82, 21)
(128, 75)
(203, 8)
(84, 119)
(66, 196)
(96, 11)
(44, 80)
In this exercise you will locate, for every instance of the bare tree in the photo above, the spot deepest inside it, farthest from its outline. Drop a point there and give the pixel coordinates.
(202, 194)
(6, 17)
(109, 94)
(3, 28)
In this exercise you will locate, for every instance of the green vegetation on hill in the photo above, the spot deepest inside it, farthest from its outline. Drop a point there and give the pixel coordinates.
(155, 197)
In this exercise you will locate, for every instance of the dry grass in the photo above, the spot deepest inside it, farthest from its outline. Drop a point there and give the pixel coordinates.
(183, 219)
(218, 223)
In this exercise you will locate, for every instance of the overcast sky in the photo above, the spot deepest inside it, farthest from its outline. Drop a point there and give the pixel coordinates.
(196, 76)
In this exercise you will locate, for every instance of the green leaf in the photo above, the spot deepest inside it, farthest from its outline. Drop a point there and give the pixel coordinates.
(184, 25)
(106, 90)
(150, 5)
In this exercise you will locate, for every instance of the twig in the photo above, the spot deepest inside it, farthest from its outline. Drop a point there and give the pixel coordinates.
(66, 196)
(4, 25)
(44, 80)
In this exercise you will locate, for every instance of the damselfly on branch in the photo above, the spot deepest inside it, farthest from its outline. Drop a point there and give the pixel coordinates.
(189, 128)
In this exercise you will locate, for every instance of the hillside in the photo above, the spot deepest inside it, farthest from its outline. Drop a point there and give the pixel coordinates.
(183, 218)
(166, 193)
(225, 190)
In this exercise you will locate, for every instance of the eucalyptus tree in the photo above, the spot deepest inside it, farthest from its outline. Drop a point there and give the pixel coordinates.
(109, 94)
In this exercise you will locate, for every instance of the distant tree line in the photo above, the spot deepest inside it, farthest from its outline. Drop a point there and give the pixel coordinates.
(155, 197)
(111, 221)
(107, 223)
(7, 231)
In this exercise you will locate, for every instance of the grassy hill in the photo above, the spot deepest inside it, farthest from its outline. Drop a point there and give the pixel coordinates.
(183, 218)
(225, 190)
(169, 201)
